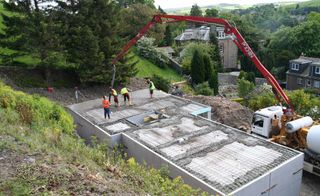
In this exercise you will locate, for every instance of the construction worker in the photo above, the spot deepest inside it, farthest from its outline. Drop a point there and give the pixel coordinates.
(106, 107)
(125, 92)
(114, 93)
(275, 129)
(151, 87)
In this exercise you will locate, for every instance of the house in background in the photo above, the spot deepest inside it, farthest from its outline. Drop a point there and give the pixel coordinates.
(304, 72)
(228, 50)
(167, 50)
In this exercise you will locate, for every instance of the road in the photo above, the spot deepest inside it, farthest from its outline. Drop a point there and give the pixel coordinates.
(310, 185)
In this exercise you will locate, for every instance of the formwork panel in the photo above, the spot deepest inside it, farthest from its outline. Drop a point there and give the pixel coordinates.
(190, 108)
(287, 177)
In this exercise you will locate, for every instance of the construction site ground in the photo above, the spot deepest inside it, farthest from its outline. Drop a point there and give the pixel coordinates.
(223, 110)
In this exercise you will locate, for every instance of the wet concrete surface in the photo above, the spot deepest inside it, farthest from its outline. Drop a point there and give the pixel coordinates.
(310, 185)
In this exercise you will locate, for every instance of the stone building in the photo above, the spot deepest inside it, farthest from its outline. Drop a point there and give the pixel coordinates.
(228, 50)
(304, 72)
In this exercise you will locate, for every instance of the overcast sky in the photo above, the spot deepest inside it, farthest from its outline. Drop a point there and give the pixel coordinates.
(188, 3)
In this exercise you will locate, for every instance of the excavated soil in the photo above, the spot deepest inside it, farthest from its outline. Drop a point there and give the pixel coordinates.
(227, 112)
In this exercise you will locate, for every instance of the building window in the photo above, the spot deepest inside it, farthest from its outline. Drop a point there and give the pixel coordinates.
(308, 83)
(299, 80)
(317, 70)
(221, 49)
(295, 66)
(316, 84)
(221, 34)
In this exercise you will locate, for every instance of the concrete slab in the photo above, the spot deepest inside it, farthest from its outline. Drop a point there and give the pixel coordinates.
(208, 155)
(176, 150)
(232, 161)
(157, 136)
(93, 111)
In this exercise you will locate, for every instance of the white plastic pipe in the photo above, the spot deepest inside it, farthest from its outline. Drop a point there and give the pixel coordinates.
(313, 139)
(295, 125)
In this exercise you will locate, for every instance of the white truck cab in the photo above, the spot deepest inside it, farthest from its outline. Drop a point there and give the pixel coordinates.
(262, 119)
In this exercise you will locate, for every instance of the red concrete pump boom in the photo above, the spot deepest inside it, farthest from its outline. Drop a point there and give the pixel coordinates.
(228, 29)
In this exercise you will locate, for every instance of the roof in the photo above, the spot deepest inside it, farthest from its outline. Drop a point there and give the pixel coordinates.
(166, 49)
(304, 59)
(308, 61)
(201, 33)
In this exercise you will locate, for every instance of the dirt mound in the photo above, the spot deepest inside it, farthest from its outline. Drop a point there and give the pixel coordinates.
(137, 83)
(226, 111)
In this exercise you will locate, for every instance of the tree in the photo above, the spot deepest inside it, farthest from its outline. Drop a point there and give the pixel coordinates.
(197, 68)
(203, 49)
(215, 53)
(207, 67)
(90, 39)
(161, 10)
(214, 82)
(128, 3)
(147, 50)
(195, 10)
(211, 12)
(168, 39)
(137, 16)
(32, 31)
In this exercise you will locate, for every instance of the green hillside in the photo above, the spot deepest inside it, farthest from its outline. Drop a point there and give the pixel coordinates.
(147, 69)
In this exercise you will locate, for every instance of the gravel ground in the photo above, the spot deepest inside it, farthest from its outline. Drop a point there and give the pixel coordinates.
(310, 185)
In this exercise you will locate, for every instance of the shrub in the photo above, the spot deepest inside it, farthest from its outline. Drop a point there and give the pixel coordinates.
(161, 83)
(35, 110)
(303, 103)
(147, 50)
(262, 101)
(250, 76)
(244, 87)
(204, 89)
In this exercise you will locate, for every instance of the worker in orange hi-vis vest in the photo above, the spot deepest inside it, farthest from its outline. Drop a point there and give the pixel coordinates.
(106, 107)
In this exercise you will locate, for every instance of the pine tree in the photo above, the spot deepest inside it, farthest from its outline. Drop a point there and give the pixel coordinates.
(161, 10)
(213, 82)
(168, 36)
(32, 31)
(197, 68)
(215, 53)
(91, 41)
(195, 10)
(207, 66)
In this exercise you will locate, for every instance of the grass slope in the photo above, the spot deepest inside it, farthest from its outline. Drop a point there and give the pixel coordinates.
(147, 69)
(41, 155)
